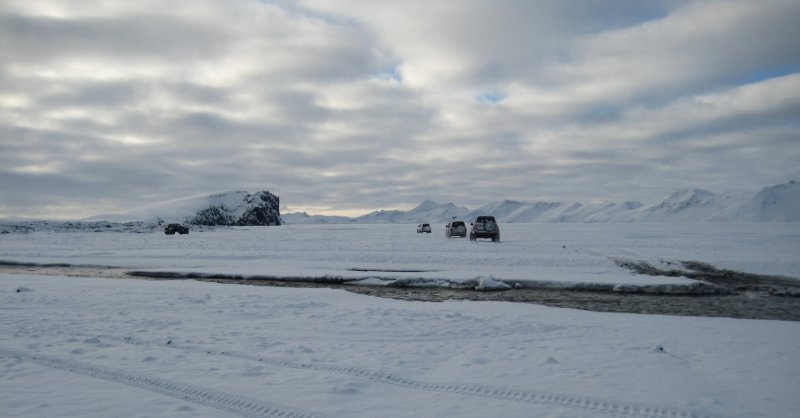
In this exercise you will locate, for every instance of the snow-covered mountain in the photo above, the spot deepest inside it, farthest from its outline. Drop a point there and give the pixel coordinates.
(439, 212)
(684, 206)
(383, 217)
(521, 212)
(507, 209)
(427, 211)
(304, 218)
(225, 208)
(775, 203)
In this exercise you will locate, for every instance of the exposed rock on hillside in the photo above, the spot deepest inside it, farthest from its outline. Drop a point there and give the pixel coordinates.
(232, 208)
(240, 209)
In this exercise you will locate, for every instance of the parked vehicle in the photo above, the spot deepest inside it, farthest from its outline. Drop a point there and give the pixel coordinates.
(171, 229)
(455, 229)
(485, 227)
(423, 228)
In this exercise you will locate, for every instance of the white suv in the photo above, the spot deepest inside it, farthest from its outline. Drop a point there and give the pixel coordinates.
(455, 229)
(423, 228)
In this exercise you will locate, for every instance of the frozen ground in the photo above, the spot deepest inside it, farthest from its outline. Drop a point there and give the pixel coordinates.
(381, 254)
(89, 347)
(92, 347)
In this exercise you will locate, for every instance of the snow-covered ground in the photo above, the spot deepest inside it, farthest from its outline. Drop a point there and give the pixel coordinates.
(565, 253)
(83, 347)
(90, 347)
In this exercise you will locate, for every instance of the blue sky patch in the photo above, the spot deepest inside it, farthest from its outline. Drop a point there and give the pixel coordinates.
(490, 98)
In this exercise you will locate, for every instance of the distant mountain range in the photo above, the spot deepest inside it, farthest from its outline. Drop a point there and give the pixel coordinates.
(780, 203)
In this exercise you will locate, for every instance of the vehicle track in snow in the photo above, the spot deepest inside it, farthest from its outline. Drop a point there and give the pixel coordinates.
(235, 404)
(615, 408)
(610, 407)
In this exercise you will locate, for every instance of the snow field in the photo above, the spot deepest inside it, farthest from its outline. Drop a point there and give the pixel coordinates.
(185, 348)
(566, 253)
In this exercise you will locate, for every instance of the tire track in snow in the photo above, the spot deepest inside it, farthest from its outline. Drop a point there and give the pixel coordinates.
(616, 408)
(237, 405)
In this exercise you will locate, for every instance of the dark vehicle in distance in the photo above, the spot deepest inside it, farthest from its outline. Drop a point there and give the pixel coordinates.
(455, 229)
(171, 229)
(485, 227)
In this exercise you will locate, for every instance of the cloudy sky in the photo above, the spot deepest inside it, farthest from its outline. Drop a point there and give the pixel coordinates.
(344, 106)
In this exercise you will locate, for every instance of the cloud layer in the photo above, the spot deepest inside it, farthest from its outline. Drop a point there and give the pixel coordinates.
(343, 107)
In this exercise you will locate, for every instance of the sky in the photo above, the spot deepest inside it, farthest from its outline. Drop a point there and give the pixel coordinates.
(343, 107)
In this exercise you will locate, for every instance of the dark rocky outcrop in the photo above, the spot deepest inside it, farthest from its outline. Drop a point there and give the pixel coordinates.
(240, 209)
(213, 216)
(263, 210)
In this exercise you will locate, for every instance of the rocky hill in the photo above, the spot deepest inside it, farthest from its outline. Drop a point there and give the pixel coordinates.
(233, 208)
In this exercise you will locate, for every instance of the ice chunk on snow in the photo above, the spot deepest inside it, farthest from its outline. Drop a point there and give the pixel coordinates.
(490, 283)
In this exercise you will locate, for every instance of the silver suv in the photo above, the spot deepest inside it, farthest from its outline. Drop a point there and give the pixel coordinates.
(485, 227)
(423, 228)
(455, 229)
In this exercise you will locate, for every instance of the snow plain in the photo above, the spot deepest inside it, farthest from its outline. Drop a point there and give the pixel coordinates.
(90, 347)
(565, 253)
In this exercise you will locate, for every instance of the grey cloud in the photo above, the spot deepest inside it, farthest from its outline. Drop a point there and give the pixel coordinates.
(94, 94)
(40, 190)
(699, 48)
(360, 106)
(750, 123)
(37, 39)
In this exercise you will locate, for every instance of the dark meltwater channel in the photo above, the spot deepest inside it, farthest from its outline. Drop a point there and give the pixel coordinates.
(751, 304)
